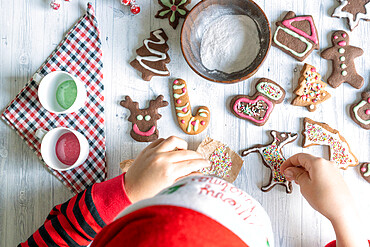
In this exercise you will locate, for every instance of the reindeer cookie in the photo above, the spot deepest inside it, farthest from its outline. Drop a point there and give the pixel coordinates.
(342, 56)
(360, 112)
(144, 121)
(316, 133)
(257, 108)
(273, 158)
(191, 125)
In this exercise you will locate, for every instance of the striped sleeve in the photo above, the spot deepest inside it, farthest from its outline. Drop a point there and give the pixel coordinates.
(77, 221)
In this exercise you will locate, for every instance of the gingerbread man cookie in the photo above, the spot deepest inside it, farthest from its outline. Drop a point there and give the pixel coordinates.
(342, 56)
(365, 171)
(316, 133)
(257, 108)
(360, 112)
(310, 89)
(354, 11)
(144, 121)
(296, 36)
(191, 125)
(173, 10)
(152, 57)
(273, 158)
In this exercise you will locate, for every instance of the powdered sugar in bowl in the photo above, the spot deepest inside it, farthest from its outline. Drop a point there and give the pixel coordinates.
(225, 40)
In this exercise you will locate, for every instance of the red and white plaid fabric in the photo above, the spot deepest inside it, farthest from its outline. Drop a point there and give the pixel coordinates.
(79, 54)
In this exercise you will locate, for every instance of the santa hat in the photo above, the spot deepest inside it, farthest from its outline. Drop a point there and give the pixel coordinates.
(196, 211)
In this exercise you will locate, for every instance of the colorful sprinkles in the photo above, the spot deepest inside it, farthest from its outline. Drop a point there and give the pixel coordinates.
(220, 163)
(253, 109)
(274, 157)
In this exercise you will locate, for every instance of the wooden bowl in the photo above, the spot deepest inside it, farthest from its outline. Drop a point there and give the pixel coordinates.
(197, 22)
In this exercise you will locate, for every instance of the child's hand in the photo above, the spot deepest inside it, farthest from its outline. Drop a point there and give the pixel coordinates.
(325, 190)
(159, 166)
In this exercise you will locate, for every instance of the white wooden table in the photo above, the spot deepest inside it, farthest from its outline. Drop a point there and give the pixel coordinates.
(30, 30)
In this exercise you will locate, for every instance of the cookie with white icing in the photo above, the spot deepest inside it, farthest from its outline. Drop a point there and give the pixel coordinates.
(152, 57)
(191, 125)
(354, 11)
(316, 133)
(365, 171)
(360, 112)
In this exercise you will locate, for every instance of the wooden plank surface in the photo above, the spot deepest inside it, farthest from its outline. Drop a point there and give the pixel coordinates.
(30, 30)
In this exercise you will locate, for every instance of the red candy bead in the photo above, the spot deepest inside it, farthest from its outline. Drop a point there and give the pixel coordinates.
(182, 121)
(135, 9)
(368, 100)
(184, 109)
(178, 101)
(344, 35)
(335, 37)
(202, 123)
(184, 90)
(125, 2)
(175, 82)
(193, 123)
(367, 112)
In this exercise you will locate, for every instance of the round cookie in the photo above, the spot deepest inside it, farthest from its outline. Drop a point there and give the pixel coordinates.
(365, 171)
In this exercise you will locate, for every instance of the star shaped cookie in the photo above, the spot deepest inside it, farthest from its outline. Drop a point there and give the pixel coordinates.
(354, 11)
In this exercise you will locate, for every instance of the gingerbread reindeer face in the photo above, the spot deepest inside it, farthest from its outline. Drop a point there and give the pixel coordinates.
(144, 121)
(360, 112)
(340, 38)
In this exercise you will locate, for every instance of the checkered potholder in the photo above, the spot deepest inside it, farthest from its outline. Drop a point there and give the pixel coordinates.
(79, 54)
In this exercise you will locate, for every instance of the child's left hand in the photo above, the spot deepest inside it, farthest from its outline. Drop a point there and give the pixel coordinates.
(159, 166)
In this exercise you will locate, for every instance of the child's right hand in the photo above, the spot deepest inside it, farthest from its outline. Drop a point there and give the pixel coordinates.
(159, 165)
(326, 191)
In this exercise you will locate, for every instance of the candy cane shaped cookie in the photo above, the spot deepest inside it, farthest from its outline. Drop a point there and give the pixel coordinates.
(191, 125)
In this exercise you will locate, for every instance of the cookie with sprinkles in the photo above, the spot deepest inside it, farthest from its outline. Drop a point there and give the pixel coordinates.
(220, 163)
(257, 108)
(273, 158)
(316, 133)
(365, 171)
(310, 89)
(173, 10)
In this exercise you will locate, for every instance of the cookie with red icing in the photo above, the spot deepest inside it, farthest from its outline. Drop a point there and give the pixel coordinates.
(191, 125)
(360, 112)
(342, 56)
(296, 36)
(257, 108)
(316, 133)
(365, 171)
(144, 121)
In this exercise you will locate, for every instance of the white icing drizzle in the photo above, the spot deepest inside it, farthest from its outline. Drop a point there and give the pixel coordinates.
(181, 107)
(153, 58)
(203, 110)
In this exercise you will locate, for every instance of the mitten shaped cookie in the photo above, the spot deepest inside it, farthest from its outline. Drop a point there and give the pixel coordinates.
(342, 56)
(173, 10)
(144, 121)
(191, 125)
(272, 157)
(360, 112)
(296, 36)
(152, 57)
(310, 89)
(354, 11)
(316, 133)
(257, 108)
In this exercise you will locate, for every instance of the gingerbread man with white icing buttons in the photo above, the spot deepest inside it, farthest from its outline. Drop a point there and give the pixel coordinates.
(343, 55)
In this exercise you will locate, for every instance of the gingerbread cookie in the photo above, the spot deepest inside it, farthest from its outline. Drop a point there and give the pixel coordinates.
(191, 125)
(316, 133)
(310, 89)
(144, 121)
(360, 112)
(365, 171)
(354, 11)
(273, 158)
(342, 56)
(173, 10)
(257, 108)
(225, 163)
(152, 57)
(296, 36)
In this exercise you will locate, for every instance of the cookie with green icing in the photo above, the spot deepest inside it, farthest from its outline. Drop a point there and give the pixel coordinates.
(173, 10)
(296, 36)
(360, 112)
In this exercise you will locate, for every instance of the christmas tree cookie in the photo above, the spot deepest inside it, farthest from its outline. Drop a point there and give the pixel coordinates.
(342, 55)
(310, 89)
(296, 36)
(152, 57)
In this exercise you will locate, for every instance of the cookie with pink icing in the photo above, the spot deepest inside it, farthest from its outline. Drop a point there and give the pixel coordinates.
(360, 112)
(257, 108)
(296, 36)
(365, 171)
(144, 121)
(191, 125)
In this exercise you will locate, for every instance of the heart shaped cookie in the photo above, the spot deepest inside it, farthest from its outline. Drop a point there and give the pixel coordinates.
(191, 125)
